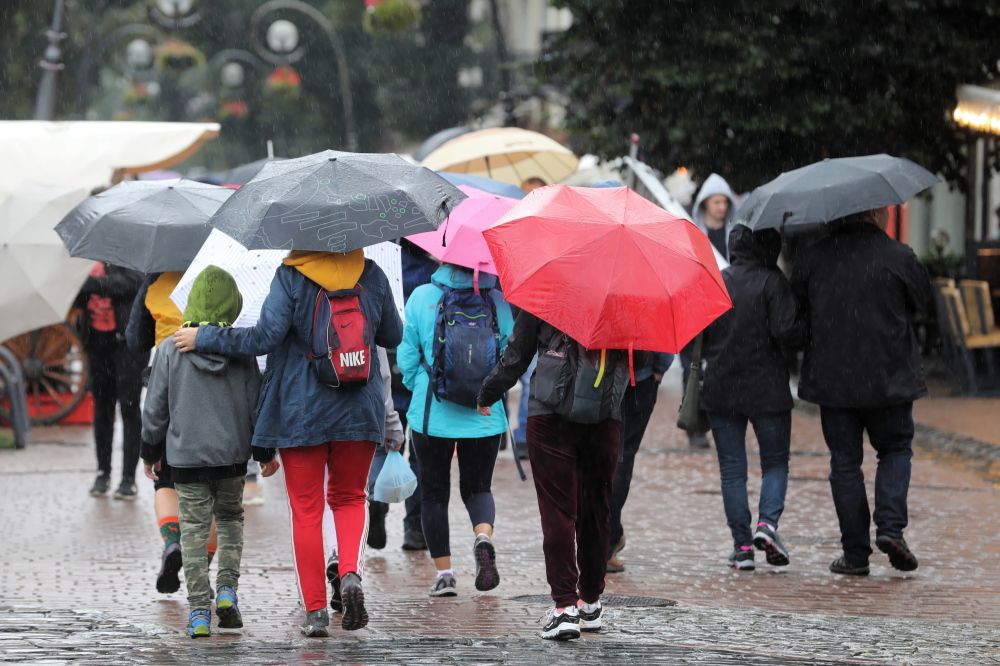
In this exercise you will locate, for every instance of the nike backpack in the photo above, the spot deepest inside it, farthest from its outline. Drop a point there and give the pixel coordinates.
(342, 339)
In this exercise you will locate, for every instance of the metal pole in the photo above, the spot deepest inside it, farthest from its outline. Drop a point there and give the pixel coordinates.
(20, 420)
(506, 95)
(45, 103)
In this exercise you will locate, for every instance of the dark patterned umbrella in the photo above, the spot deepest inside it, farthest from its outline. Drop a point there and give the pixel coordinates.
(337, 202)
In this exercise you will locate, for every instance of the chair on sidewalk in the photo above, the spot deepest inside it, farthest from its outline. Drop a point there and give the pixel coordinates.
(960, 340)
(979, 306)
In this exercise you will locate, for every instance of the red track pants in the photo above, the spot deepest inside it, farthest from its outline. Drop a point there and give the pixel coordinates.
(305, 467)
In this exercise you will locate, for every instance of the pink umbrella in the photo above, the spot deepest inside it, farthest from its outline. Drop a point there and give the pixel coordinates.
(460, 239)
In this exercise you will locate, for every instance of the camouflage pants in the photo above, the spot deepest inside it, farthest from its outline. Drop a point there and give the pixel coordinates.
(198, 503)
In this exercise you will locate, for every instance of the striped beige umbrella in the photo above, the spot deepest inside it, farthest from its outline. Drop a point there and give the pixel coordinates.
(507, 154)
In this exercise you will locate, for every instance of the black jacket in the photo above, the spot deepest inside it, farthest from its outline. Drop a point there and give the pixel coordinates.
(745, 369)
(140, 334)
(120, 285)
(859, 290)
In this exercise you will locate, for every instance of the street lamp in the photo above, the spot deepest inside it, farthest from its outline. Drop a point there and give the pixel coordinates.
(231, 75)
(282, 36)
(138, 54)
(45, 103)
(174, 14)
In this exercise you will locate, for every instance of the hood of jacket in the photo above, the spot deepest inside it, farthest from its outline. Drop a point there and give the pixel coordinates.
(457, 277)
(330, 270)
(714, 184)
(214, 299)
(207, 362)
(754, 248)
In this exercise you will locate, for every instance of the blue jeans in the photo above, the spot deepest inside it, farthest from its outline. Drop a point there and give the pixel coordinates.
(890, 430)
(521, 431)
(774, 434)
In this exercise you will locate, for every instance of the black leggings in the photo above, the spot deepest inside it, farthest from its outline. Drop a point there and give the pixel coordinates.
(476, 459)
(116, 378)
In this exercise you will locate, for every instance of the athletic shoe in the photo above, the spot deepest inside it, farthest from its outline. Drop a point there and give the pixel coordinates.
(101, 485)
(199, 624)
(742, 558)
(333, 575)
(841, 566)
(227, 610)
(126, 491)
(253, 495)
(698, 440)
(170, 563)
(376, 524)
(414, 540)
(487, 576)
(561, 624)
(522, 450)
(899, 553)
(445, 586)
(317, 624)
(590, 616)
(355, 615)
(767, 540)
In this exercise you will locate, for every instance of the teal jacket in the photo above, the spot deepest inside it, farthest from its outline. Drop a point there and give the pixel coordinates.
(447, 419)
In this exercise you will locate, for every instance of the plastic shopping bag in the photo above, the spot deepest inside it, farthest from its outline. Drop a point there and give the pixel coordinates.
(396, 481)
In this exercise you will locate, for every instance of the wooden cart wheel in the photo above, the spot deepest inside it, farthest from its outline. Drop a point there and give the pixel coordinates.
(55, 372)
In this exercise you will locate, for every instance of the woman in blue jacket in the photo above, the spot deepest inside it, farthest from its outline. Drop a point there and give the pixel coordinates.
(436, 435)
(315, 427)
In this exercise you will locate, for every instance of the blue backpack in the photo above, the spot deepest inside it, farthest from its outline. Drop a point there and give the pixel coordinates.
(466, 347)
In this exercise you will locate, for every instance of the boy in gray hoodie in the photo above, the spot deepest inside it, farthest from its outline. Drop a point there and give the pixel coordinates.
(199, 415)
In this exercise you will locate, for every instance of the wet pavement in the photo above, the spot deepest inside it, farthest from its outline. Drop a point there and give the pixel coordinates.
(76, 585)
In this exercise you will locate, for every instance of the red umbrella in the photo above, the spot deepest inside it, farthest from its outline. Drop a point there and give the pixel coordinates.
(609, 268)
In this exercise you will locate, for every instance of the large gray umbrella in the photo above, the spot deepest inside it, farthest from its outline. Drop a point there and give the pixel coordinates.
(243, 173)
(832, 189)
(150, 226)
(337, 202)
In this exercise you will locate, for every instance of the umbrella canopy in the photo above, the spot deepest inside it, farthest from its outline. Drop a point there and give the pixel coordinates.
(242, 174)
(435, 141)
(484, 184)
(150, 226)
(40, 280)
(832, 189)
(460, 241)
(336, 202)
(507, 154)
(608, 267)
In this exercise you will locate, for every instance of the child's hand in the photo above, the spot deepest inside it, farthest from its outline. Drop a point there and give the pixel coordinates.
(269, 468)
(148, 471)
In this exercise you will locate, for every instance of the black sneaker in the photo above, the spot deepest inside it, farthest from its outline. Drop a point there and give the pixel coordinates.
(101, 485)
(767, 540)
(590, 616)
(414, 540)
(487, 576)
(841, 566)
(376, 524)
(741, 559)
(333, 575)
(170, 564)
(126, 491)
(522, 450)
(355, 615)
(899, 553)
(445, 586)
(317, 624)
(561, 626)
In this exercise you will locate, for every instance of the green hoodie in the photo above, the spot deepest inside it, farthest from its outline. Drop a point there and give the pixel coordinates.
(214, 299)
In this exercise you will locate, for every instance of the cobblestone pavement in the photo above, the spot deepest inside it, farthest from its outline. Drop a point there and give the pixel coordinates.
(77, 577)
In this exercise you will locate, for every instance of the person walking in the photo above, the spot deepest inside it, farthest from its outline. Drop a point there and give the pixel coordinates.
(860, 290)
(446, 319)
(317, 428)
(746, 380)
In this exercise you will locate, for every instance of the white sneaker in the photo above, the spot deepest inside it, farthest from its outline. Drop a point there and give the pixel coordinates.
(590, 616)
(561, 624)
(445, 586)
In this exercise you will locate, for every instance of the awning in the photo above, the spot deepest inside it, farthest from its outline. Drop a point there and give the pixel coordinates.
(978, 108)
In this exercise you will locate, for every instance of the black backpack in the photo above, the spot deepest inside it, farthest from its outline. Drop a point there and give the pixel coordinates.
(581, 385)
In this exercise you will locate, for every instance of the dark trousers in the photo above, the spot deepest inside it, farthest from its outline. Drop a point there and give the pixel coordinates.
(411, 522)
(637, 407)
(476, 459)
(890, 430)
(116, 379)
(573, 465)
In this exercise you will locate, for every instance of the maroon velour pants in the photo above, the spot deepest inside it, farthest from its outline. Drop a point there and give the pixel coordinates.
(573, 466)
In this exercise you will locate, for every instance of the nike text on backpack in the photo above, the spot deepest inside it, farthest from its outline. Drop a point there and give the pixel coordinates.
(581, 385)
(342, 344)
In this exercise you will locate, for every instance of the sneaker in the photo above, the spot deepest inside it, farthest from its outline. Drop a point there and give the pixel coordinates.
(487, 576)
(767, 540)
(126, 491)
(561, 624)
(317, 624)
(590, 616)
(841, 566)
(899, 553)
(333, 575)
(445, 586)
(742, 558)
(414, 540)
(522, 450)
(227, 610)
(253, 494)
(355, 615)
(376, 524)
(698, 440)
(170, 564)
(199, 624)
(101, 485)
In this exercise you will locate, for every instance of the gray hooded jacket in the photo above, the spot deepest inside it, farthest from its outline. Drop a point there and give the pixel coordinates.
(715, 184)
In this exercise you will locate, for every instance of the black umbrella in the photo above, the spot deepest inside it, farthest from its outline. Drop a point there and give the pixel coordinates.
(149, 225)
(435, 141)
(832, 189)
(242, 174)
(336, 202)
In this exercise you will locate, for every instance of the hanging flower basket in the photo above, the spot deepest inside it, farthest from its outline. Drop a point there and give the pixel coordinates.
(384, 17)
(136, 94)
(236, 108)
(177, 56)
(284, 81)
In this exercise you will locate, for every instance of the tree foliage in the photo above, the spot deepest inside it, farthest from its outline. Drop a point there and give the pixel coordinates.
(751, 89)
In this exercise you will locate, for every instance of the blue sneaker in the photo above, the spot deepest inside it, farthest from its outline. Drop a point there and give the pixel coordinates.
(226, 609)
(199, 624)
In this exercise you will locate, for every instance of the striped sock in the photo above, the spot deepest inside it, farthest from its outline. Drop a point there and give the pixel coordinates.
(170, 530)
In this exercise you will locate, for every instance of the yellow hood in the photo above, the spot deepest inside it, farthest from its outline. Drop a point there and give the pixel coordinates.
(168, 317)
(330, 270)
